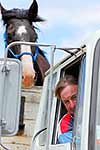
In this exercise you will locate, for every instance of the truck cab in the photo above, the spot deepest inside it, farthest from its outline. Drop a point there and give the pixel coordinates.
(84, 64)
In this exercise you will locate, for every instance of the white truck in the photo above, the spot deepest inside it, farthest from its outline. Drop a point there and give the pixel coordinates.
(82, 62)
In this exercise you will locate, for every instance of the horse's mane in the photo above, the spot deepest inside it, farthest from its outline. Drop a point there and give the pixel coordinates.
(19, 14)
(15, 13)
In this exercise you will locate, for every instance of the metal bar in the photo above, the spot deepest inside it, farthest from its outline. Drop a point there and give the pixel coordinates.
(69, 50)
(23, 43)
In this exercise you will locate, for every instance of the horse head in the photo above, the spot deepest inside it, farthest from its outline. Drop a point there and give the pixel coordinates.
(19, 27)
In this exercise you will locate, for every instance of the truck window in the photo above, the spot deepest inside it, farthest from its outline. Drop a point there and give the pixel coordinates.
(74, 69)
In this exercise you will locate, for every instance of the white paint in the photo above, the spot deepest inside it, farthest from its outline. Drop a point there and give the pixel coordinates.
(21, 30)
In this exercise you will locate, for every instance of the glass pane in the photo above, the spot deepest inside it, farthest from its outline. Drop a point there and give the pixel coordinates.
(42, 135)
(79, 108)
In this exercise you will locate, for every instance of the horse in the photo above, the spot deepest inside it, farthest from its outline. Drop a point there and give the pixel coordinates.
(20, 27)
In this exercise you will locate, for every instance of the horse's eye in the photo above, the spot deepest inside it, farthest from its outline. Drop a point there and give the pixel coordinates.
(10, 32)
(10, 29)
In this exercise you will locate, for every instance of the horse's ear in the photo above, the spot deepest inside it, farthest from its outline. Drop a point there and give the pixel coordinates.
(2, 9)
(33, 12)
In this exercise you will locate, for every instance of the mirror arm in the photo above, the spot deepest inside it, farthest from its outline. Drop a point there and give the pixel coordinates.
(38, 133)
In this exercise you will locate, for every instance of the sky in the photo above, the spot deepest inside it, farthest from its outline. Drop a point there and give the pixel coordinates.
(67, 23)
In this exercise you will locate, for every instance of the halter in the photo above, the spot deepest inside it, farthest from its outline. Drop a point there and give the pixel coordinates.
(34, 57)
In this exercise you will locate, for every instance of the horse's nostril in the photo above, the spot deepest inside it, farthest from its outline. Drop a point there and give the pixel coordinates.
(22, 77)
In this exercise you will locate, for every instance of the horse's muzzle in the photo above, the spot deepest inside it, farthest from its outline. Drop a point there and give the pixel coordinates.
(28, 81)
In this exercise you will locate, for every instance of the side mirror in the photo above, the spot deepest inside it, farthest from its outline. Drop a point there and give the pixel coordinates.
(10, 96)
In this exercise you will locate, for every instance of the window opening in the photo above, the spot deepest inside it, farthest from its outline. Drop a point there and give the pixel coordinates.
(72, 69)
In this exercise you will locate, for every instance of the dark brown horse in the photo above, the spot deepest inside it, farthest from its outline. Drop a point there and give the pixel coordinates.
(19, 27)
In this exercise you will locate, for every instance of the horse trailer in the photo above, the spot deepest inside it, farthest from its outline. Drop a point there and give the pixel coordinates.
(84, 63)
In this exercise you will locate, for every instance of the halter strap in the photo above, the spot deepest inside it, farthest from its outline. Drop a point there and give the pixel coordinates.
(34, 57)
(5, 39)
(17, 56)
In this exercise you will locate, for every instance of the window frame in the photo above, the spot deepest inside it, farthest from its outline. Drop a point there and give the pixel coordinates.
(62, 74)
(93, 100)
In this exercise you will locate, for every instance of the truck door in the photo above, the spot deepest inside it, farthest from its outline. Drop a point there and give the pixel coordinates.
(71, 66)
(87, 121)
(94, 124)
